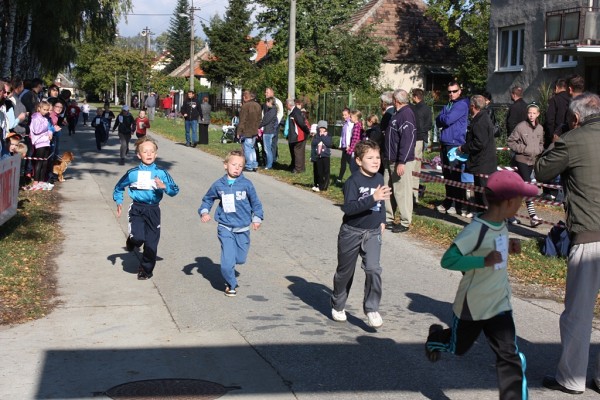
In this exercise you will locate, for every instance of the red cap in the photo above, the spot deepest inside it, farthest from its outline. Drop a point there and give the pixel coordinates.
(504, 185)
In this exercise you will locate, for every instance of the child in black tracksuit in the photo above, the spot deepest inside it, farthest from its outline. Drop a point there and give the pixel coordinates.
(101, 127)
(360, 233)
(320, 153)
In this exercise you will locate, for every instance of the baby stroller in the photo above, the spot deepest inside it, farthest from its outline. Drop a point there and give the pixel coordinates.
(228, 134)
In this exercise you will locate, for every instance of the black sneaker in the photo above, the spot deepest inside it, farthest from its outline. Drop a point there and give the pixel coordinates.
(143, 275)
(400, 229)
(129, 245)
(433, 355)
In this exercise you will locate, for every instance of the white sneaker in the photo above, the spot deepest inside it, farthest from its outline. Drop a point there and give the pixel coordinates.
(451, 211)
(470, 215)
(315, 189)
(374, 320)
(441, 209)
(339, 316)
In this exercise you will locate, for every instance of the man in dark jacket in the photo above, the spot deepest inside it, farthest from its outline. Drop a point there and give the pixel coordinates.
(247, 130)
(191, 114)
(399, 156)
(556, 115)
(424, 121)
(517, 112)
(296, 131)
(575, 158)
(480, 146)
(125, 122)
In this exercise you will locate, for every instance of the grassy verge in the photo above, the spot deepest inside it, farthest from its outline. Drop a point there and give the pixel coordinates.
(28, 242)
(529, 267)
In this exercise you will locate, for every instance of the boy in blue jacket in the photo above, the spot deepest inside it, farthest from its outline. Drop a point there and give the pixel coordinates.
(238, 210)
(146, 185)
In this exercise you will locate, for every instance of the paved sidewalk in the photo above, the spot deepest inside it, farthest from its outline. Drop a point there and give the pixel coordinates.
(276, 340)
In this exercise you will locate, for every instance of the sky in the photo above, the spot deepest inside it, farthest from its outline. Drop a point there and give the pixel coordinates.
(160, 23)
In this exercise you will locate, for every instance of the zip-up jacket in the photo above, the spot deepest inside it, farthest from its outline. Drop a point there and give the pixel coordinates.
(248, 208)
(453, 121)
(191, 109)
(400, 137)
(144, 196)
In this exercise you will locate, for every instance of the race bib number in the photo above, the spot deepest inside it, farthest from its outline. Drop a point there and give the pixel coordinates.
(144, 180)
(228, 202)
(502, 247)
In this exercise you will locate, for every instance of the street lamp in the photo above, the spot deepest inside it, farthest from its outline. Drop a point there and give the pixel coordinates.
(192, 47)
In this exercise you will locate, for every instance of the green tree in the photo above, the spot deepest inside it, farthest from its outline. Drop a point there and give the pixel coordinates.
(338, 59)
(231, 45)
(178, 41)
(466, 23)
(99, 63)
(39, 37)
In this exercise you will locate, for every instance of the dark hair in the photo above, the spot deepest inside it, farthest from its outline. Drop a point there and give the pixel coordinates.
(561, 83)
(362, 147)
(453, 83)
(418, 93)
(517, 91)
(35, 82)
(16, 82)
(576, 83)
(487, 95)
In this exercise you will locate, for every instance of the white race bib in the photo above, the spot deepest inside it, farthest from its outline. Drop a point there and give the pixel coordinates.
(502, 247)
(228, 202)
(144, 181)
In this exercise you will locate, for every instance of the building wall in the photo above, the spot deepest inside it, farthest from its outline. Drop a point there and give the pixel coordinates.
(532, 14)
(401, 76)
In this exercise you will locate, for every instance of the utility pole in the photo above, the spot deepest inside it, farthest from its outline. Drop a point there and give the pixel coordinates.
(292, 52)
(190, 15)
(146, 34)
(192, 44)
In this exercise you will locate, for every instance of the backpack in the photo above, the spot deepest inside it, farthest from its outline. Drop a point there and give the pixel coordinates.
(557, 242)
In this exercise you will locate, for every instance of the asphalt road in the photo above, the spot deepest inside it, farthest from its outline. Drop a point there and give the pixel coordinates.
(276, 338)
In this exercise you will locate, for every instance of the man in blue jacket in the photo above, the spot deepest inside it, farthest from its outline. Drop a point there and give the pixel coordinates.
(453, 122)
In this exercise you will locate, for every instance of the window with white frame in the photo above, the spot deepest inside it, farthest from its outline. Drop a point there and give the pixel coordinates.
(560, 61)
(510, 48)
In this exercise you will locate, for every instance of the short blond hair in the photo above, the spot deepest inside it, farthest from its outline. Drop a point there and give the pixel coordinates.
(233, 153)
(143, 140)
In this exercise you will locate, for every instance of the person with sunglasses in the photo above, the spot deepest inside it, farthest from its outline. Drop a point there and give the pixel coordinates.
(453, 122)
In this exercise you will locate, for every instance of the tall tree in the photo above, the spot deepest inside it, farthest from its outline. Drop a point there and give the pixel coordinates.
(466, 22)
(38, 37)
(314, 21)
(178, 41)
(100, 63)
(231, 45)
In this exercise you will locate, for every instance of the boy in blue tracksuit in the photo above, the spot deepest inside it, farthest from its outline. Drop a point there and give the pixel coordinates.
(238, 210)
(146, 185)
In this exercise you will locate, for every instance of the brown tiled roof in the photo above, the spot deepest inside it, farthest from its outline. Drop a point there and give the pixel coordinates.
(403, 28)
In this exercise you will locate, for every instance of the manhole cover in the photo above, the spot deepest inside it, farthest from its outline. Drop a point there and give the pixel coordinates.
(180, 389)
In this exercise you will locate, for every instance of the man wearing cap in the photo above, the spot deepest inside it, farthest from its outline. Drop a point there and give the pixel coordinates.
(482, 302)
(125, 123)
(480, 147)
(575, 158)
